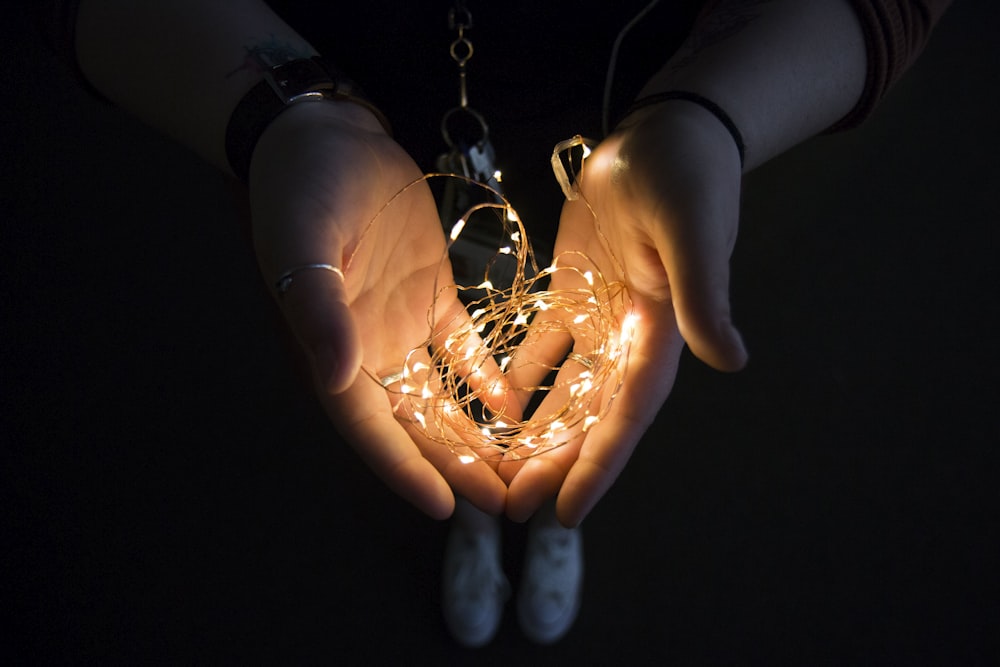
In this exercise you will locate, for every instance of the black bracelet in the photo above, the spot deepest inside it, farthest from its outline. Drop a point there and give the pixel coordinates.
(295, 81)
(704, 102)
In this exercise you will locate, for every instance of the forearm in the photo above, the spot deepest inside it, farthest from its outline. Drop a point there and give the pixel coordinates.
(783, 70)
(181, 66)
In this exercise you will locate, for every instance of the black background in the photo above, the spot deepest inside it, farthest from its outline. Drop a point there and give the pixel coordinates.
(171, 492)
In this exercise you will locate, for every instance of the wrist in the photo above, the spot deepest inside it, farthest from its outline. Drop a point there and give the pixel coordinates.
(706, 104)
(305, 80)
(686, 130)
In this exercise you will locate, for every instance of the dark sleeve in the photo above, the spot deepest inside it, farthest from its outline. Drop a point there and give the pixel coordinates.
(896, 31)
(56, 20)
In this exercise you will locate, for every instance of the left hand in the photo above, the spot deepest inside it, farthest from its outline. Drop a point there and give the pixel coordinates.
(665, 191)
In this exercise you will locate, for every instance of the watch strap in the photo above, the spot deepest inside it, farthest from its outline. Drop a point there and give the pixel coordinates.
(300, 80)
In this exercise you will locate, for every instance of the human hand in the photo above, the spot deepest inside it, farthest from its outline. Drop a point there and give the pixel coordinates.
(320, 174)
(660, 199)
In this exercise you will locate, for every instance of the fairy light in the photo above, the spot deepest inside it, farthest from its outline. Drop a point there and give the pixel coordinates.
(466, 394)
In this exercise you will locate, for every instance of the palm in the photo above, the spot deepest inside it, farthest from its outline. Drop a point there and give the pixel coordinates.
(324, 201)
(657, 214)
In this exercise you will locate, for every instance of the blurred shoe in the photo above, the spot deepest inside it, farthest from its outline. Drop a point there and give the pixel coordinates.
(474, 586)
(551, 587)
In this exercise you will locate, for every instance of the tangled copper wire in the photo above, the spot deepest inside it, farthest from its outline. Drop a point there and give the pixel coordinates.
(467, 389)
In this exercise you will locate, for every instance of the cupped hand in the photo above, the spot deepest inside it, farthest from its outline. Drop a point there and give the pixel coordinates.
(320, 174)
(659, 209)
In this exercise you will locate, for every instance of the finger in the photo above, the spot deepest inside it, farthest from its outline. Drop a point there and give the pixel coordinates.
(476, 481)
(315, 306)
(467, 364)
(438, 426)
(540, 353)
(363, 415)
(652, 368)
(439, 423)
(559, 408)
(562, 418)
(549, 336)
(539, 479)
(697, 263)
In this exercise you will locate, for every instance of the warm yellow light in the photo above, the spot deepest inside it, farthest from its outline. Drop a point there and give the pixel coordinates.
(456, 397)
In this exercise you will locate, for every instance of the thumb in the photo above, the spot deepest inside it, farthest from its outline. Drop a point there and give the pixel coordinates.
(698, 270)
(314, 300)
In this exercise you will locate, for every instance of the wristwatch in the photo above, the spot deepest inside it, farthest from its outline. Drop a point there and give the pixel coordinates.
(300, 80)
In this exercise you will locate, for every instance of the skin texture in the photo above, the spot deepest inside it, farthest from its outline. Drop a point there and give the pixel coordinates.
(666, 189)
(665, 185)
(390, 269)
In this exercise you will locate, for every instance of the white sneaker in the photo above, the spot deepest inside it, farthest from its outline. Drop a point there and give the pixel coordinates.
(550, 591)
(474, 586)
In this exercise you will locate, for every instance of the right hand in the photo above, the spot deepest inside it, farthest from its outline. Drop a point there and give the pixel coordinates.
(320, 173)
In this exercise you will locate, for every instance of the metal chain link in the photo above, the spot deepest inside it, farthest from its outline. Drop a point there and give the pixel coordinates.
(461, 50)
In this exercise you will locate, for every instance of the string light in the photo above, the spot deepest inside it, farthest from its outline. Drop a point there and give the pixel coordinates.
(467, 391)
